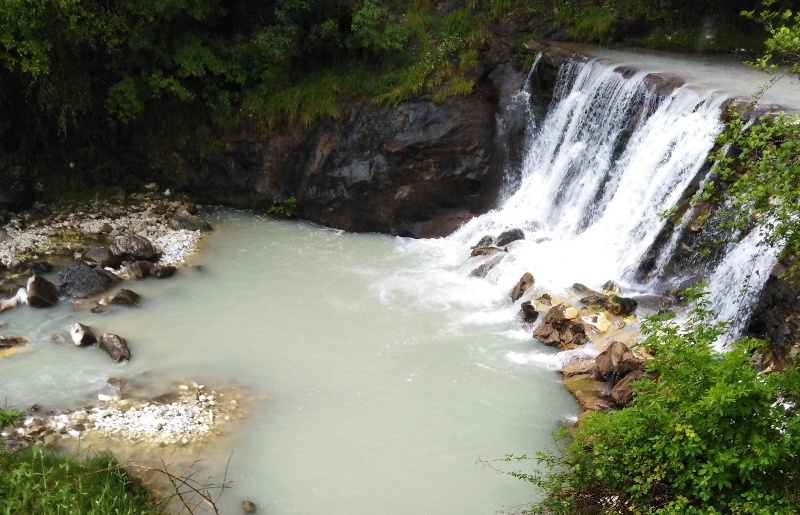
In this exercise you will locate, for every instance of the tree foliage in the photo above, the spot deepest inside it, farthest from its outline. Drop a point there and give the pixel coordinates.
(706, 434)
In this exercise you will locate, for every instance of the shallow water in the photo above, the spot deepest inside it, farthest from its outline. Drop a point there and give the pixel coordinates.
(377, 376)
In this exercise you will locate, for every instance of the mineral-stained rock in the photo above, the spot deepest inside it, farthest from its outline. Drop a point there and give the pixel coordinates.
(133, 247)
(509, 236)
(558, 331)
(81, 281)
(82, 335)
(115, 346)
(524, 284)
(41, 292)
(99, 256)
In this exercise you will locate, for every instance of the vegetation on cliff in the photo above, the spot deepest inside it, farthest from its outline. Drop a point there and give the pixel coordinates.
(118, 93)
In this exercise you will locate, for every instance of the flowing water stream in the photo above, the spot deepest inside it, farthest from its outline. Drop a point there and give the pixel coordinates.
(377, 369)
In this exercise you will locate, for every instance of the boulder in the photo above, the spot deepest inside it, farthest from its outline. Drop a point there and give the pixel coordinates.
(115, 346)
(524, 284)
(486, 241)
(81, 281)
(99, 257)
(578, 366)
(611, 287)
(182, 219)
(82, 335)
(41, 292)
(556, 330)
(591, 402)
(133, 247)
(622, 393)
(621, 306)
(163, 271)
(616, 362)
(509, 236)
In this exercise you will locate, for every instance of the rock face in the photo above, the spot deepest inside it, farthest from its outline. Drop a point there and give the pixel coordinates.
(559, 330)
(41, 292)
(115, 346)
(419, 168)
(81, 282)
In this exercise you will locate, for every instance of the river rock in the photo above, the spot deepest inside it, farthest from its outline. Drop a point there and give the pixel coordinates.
(621, 306)
(133, 247)
(81, 282)
(610, 287)
(616, 362)
(137, 269)
(622, 393)
(6, 342)
(124, 297)
(484, 251)
(585, 289)
(529, 312)
(162, 271)
(82, 335)
(99, 257)
(509, 236)
(115, 346)
(524, 284)
(41, 292)
(182, 219)
(556, 330)
(485, 267)
(486, 241)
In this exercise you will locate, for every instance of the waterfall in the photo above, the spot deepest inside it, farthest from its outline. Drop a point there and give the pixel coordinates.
(610, 155)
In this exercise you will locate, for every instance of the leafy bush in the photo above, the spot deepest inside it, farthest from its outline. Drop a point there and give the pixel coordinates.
(706, 434)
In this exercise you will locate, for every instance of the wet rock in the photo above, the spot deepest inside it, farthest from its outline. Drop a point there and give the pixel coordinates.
(585, 289)
(124, 297)
(163, 271)
(82, 335)
(487, 266)
(6, 342)
(594, 300)
(509, 236)
(578, 366)
(620, 306)
(486, 241)
(611, 287)
(591, 402)
(524, 284)
(99, 257)
(115, 346)
(484, 251)
(557, 330)
(81, 281)
(133, 247)
(529, 312)
(137, 270)
(39, 267)
(182, 219)
(41, 292)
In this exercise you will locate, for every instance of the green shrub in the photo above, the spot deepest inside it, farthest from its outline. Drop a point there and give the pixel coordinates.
(706, 434)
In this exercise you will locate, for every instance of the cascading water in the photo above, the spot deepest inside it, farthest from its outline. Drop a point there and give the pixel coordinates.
(610, 155)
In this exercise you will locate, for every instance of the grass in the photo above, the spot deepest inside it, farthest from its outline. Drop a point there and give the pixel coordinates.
(37, 480)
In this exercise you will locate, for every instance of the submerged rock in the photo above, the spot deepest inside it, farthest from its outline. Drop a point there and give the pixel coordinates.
(123, 297)
(6, 342)
(163, 271)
